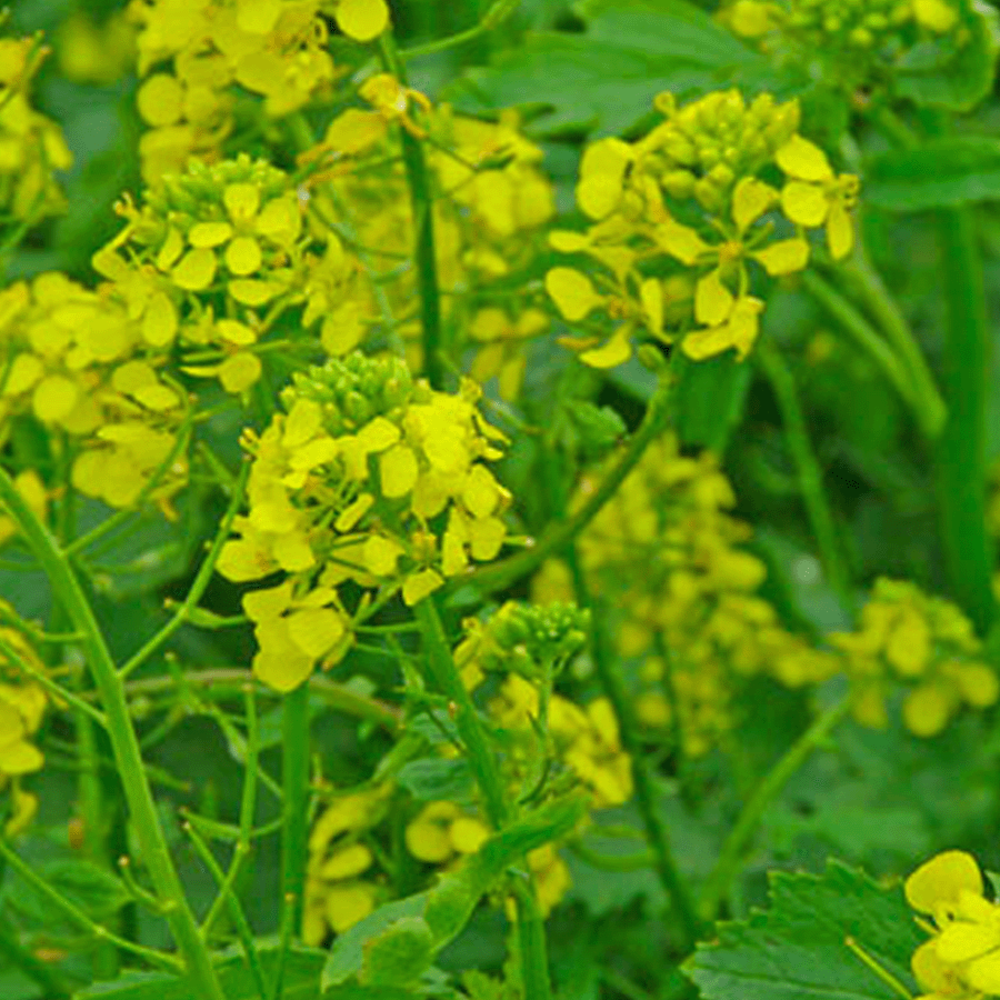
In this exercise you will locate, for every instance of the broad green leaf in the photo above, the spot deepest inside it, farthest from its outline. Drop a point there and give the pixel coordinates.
(95, 891)
(432, 779)
(797, 948)
(941, 173)
(941, 74)
(418, 927)
(606, 78)
(300, 979)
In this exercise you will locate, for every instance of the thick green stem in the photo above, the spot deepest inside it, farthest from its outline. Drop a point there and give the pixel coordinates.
(424, 252)
(961, 457)
(532, 944)
(124, 743)
(502, 574)
(731, 857)
(295, 781)
(645, 791)
(810, 473)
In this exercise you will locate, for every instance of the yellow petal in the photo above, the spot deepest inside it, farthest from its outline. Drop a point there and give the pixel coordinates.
(839, 232)
(160, 100)
(784, 257)
(806, 204)
(243, 256)
(927, 709)
(349, 861)
(713, 302)
(380, 555)
(242, 201)
(572, 292)
(804, 160)
(239, 371)
(942, 879)
(362, 20)
(209, 234)
(935, 14)
(54, 398)
(316, 630)
(398, 470)
(195, 271)
(681, 242)
(751, 199)
(615, 352)
(420, 584)
(282, 671)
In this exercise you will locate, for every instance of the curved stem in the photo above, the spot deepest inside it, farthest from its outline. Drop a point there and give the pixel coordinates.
(124, 743)
(810, 473)
(502, 574)
(853, 321)
(731, 857)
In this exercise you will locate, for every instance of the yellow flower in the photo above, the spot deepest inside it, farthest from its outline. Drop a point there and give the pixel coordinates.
(815, 195)
(362, 20)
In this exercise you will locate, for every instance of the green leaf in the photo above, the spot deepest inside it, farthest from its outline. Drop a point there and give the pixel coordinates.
(942, 74)
(941, 173)
(798, 947)
(421, 925)
(95, 891)
(710, 399)
(606, 79)
(433, 779)
(300, 980)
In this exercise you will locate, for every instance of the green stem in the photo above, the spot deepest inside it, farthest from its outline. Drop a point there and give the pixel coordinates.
(810, 473)
(645, 792)
(501, 575)
(868, 339)
(961, 457)
(124, 743)
(531, 943)
(730, 859)
(494, 17)
(883, 307)
(79, 917)
(200, 583)
(446, 678)
(295, 810)
(424, 253)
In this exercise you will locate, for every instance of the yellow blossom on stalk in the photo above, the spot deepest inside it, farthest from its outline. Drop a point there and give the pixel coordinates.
(362, 20)
(367, 477)
(72, 360)
(192, 56)
(341, 884)
(32, 146)
(962, 956)
(691, 200)
(922, 645)
(215, 256)
(850, 44)
(691, 625)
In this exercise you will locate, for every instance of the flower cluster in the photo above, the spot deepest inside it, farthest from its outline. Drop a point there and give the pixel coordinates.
(692, 622)
(491, 203)
(193, 56)
(32, 146)
(22, 706)
(962, 956)
(340, 885)
(693, 203)
(853, 42)
(213, 260)
(367, 477)
(922, 643)
(75, 361)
